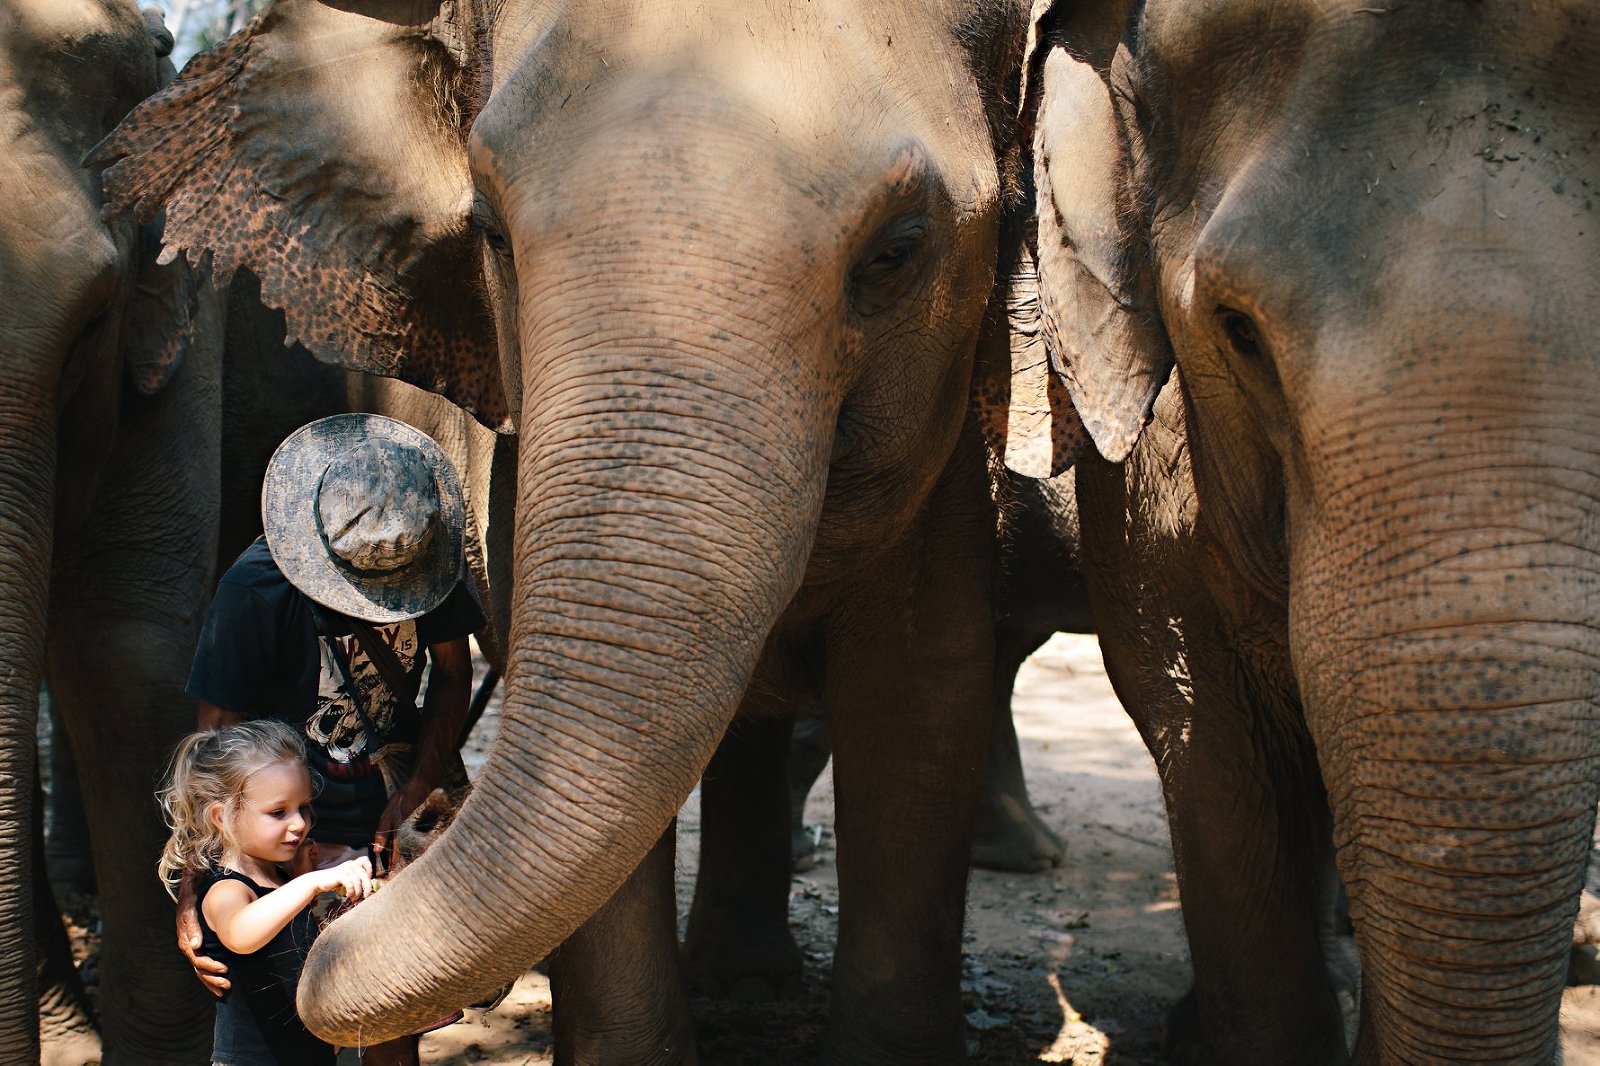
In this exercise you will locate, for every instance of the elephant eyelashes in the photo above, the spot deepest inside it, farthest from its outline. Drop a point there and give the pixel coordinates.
(489, 225)
(887, 271)
(1241, 334)
(497, 242)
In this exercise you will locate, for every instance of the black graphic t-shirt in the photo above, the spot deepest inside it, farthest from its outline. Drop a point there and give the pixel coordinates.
(267, 651)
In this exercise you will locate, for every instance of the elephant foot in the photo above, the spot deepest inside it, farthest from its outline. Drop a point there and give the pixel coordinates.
(72, 882)
(69, 1049)
(734, 963)
(1011, 837)
(808, 847)
(1583, 966)
(662, 1042)
(802, 850)
(1182, 1043)
(1180, 1032)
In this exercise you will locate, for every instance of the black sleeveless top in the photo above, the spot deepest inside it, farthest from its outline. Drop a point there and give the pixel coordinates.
(256, 1024)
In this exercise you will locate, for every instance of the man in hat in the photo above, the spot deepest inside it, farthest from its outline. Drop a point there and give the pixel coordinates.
(327, 621)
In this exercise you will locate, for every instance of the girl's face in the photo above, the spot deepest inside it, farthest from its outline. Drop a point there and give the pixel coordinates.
(273, 813)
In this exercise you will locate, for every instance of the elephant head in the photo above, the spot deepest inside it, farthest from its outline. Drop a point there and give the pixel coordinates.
(723, 267)
(1364, 234)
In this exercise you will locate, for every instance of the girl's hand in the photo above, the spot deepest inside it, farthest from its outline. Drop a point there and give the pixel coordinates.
(352, 880)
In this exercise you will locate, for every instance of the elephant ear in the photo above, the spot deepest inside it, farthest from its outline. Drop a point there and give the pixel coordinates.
(160, 320)
(1024, 410)
(1097, 291)
(324, 148)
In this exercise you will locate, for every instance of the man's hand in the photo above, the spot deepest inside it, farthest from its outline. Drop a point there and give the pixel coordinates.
(208, 970)
(305, 859)
(386, 841)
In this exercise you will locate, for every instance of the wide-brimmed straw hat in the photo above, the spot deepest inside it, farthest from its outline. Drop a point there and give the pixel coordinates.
(364, 514)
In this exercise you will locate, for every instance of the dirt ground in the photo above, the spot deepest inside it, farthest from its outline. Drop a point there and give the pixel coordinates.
(1076, 965)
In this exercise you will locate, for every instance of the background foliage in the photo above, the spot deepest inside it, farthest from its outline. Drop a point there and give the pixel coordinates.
(199, 24)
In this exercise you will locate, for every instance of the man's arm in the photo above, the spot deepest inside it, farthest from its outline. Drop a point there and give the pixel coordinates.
(213, 717)
(208, 970)
(444, 713)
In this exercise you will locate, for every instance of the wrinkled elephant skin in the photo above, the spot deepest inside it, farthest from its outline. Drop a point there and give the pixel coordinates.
(1346, 577)
(725, 267)
(108, 379)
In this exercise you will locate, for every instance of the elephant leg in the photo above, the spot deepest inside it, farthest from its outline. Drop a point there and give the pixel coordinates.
(617, 985)
(738, 943)
(906, 775)
(129, 590)
(1010, 834)
(809, 752)
(67, 833)
(908, 670)
(27, 506)
(1250, 842)
(119, 683)
(1208, 690)
(1249, 825)
(67, 1035)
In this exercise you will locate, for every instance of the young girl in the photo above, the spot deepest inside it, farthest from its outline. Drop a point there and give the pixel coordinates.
(238, 801)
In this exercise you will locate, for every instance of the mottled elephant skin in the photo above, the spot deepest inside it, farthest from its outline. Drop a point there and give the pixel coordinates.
(108, 493)
(1345, 580)
(723, 268)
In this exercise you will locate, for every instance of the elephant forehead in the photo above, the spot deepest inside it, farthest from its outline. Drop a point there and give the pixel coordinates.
(57, 22)
(822, 77)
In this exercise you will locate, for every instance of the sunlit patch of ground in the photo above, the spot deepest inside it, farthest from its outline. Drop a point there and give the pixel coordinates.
(1075, 965)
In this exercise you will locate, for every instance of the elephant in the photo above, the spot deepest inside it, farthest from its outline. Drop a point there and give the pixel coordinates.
(107, 510)
(1344, 562)
(1039, 591)
(724, 270)
(269, 390)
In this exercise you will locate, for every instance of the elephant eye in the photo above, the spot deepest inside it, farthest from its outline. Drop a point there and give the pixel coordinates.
(1242, 334)
(488, 224)
(888, 269)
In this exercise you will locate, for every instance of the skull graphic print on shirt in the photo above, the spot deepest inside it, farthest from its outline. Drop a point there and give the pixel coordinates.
(337, 723)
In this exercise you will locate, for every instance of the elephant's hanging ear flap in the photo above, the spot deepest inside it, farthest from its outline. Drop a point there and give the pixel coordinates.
(1024, 410)
(161, 322)
(324, 148)
(1096, 281)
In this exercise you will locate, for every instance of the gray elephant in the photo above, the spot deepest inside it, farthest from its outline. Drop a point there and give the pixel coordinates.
(1039, 591)
(107, 513)
(1345, 580)
(725, 267)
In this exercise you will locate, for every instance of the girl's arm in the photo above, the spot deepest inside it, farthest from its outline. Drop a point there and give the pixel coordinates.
(245, 923)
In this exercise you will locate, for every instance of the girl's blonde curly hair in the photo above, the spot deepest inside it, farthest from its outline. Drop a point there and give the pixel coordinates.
(214, 766)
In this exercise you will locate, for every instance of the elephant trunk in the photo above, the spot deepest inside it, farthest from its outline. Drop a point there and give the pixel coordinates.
(1443, 624)
(27, 475)
(669, 491)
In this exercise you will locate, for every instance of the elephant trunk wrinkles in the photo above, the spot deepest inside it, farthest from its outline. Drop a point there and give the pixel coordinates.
(668, 497)
(1444, 637)
(27, 475)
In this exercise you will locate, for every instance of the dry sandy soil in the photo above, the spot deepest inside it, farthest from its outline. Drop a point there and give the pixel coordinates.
(1074, 965)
